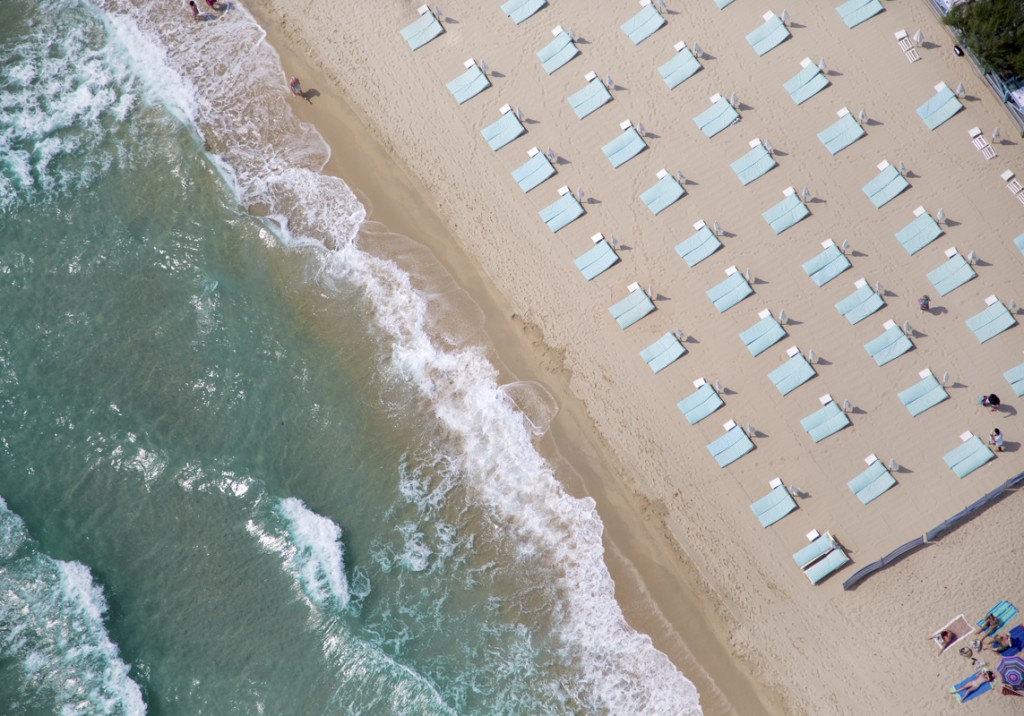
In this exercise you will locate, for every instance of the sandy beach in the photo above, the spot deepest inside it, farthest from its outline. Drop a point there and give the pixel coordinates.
(717, 592)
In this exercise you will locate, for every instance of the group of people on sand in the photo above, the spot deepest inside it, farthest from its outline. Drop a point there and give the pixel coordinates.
(195, 8)
(987, 640)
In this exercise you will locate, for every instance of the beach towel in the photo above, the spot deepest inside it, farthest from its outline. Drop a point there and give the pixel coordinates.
(960, 629)
(1004, 612)
(964, 699)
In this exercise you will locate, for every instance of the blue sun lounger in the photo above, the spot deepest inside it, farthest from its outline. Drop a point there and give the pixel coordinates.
(470, 83)
(763, 335)
(775, 505)
(827, 265)
(625, 146)
(919, 233)
(1015, 377)
(860, 304)
(886, 186)
(680, 68)
(793, 373)
(592, 97)
(818, 547)
(503, 131)
(700, 403)
(644, 24)
(722, 4)
(663, 194)
(787, 213)
(557, 52)
(1004, 612)
(992, 321)
(717, 117)
(425, 29)
(890, 345)
(832, 563)
(772, 33)
(632, 308)
(520, 10)
(535, 171)
(872, 482)
(754, 164)
(844, 132)
(731, 291)
(663, 352)
(598, 259)
(1019, 243)
(563, 212)
(730, 447)
(971, 454)
(854, 12)
(951, 275)
(829, 420)
(923, 395)
(699, 246)
(809, 81)
(940, 107)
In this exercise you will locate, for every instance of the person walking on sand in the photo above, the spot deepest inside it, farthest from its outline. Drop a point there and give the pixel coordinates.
(296, 87)
(194, 8)
(924, 303)
(996, 438)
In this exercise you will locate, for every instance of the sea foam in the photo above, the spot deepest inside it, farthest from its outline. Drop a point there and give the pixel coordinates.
(52, 624)
(274, 162)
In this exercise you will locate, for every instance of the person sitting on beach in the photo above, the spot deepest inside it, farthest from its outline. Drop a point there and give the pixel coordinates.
(998, 643)
(974, 684)
(996, 438)
(991, 401)
(944, 639)
(989, 625)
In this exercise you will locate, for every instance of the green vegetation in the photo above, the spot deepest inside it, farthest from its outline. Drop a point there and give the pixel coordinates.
(994, 32)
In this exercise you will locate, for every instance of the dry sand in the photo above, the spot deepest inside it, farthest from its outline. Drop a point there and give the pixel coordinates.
(825, 650)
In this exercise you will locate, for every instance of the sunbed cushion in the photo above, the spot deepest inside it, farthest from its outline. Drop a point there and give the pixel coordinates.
(730, 292)
(534, 172)
(663, 194)
(1015, 377)
(590, 98)
(469, 84)
(503, 131)
(818, 548)
(825, 422)
(872, 482)
(860, 304)
(562, 213)
(968, 457)
(854, 12)
(951, 275)
(991, 322)
(597, 260)
(624, 147)
(663, 352)
(841, 134)
(632, 308)
(699, 246)
(700, 404)
(774, 506)
(808, 82)
(939, 108)
(826, 266)
(520, 10)
(922, 395)
(754, 164)
(762, 335)
(425, 29)
(730, 447)
(889, 346)
(768, 36)
(919, 233)
(644, 24)
(786, 213)
(885, 187)
(557, 52)
(832, 562)
(717, 117)
(680, 68)
(792, 374)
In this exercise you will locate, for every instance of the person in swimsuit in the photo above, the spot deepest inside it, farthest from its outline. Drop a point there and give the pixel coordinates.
(195, 9)
(989, 625)
(974, 684)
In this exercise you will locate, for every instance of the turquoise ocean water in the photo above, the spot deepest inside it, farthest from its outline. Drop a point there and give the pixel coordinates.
(242, 470)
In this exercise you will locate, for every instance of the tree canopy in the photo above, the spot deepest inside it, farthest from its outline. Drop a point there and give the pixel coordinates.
(994, 31)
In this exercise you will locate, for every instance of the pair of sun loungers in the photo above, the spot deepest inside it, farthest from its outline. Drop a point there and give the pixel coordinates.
(821, 557)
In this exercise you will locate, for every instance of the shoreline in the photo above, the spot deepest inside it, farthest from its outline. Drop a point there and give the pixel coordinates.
(396, 200)
(772, 624)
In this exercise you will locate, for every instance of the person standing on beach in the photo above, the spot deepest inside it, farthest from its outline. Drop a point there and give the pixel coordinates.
(996, 438)
(195, 10)
(296, 87)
